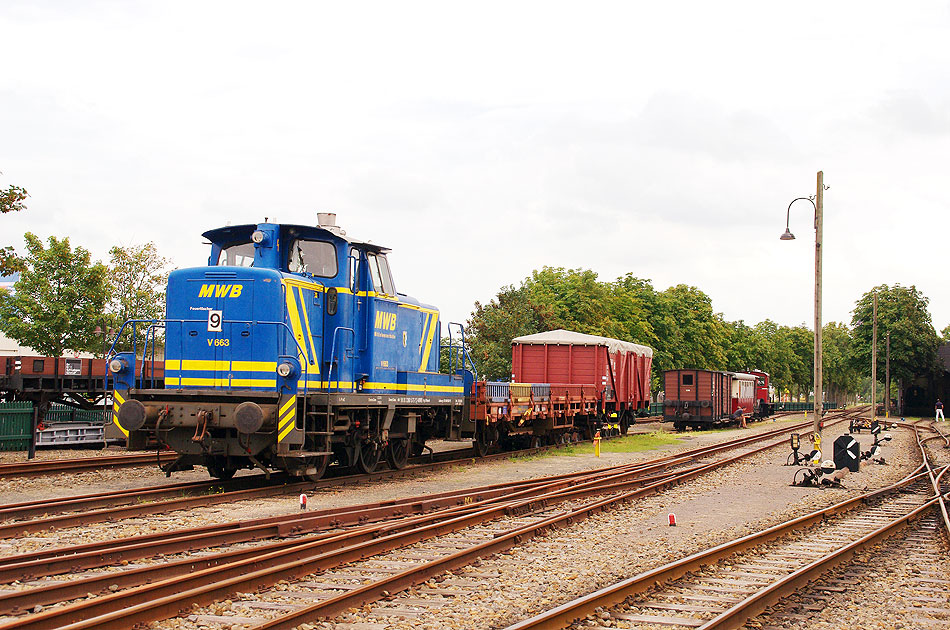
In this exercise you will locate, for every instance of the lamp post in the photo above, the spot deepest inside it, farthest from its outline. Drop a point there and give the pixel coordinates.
(817, 202)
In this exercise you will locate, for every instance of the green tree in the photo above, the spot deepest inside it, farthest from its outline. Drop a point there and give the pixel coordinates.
(492, 326)
(945, 334)
(902, 311)
(693, 335)
(839, 377)
(58, 300)
(137, 279)
(11, 200)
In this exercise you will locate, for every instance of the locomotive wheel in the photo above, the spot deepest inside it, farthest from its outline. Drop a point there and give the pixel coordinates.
(397, 453)
(368, 457)
(319, 464)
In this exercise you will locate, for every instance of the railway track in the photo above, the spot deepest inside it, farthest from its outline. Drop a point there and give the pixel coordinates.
(725, 586)
(136, 502)
(531, 508)
(81, 464)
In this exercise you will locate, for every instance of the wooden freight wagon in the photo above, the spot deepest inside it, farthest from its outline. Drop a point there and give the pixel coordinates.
(697, 398)
(618, 372)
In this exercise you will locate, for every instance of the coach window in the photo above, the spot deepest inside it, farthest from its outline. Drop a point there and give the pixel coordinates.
(379, 273)
(687, 379)
(238, 255)
(317, 258)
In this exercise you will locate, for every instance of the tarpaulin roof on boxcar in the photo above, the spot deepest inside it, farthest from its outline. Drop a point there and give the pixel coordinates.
(571, 338)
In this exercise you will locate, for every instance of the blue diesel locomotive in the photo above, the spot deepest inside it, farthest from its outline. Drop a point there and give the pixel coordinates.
(292, 348)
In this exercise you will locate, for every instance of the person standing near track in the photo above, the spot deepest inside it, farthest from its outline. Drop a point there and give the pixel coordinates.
(939, 409)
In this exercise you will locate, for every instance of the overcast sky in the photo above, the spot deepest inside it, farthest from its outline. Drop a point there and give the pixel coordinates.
(483, 140)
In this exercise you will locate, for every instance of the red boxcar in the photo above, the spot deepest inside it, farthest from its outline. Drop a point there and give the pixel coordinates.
(619, 371)
(708, 398)
(697, 398)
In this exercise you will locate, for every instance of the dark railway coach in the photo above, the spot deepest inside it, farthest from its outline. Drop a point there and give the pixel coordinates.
(708, 398)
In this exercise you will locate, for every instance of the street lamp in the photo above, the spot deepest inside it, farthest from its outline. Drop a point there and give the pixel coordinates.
(817, 202)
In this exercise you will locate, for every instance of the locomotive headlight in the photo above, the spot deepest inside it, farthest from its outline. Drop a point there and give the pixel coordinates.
(117, 365)
(286, 369)
(258, 236)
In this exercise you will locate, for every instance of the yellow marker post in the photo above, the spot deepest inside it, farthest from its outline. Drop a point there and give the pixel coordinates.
(597, 444)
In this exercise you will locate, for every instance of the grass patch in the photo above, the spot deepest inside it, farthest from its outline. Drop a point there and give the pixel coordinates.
(627, 444)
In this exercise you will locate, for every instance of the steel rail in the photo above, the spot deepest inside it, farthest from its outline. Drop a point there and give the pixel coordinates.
(242, 573)
(79, 464)
(935, 477)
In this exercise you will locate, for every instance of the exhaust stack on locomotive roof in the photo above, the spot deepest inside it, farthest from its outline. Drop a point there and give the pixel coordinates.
(327, 221)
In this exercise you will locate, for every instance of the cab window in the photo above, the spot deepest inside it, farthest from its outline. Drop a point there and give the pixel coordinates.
(379, 274)
(237, 255)
(317, 258)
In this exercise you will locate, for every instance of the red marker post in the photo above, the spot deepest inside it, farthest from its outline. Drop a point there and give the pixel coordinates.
(303, 502)
(672, 520)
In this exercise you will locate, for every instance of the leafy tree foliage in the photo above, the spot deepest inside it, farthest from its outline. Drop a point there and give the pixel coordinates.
(840, 378)
(902, 311)
(11, 200)
(58, 300)
(137, 280)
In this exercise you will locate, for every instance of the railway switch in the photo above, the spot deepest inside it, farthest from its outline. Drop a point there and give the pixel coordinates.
(813, 476)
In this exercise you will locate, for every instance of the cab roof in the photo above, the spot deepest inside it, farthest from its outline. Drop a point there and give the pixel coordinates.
(236, 233)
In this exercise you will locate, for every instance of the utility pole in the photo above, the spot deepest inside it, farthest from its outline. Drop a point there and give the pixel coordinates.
(887, 378)
(819, 222)
(874, 361)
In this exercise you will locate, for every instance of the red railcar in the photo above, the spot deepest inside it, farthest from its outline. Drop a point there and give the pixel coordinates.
(564, 384)
(697, 398)
(618, 370)
(708, 398)
(764, 406)
(743, 394)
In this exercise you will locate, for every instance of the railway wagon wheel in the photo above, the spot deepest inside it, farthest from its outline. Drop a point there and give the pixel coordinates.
(368, 457)
(219, 469)
(397, 453)
(485, 438)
